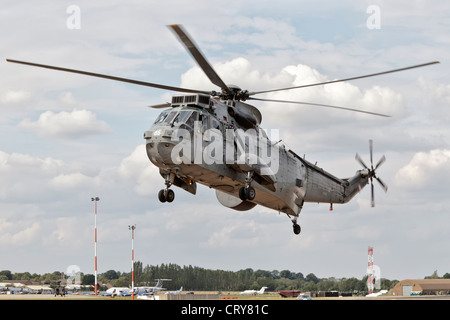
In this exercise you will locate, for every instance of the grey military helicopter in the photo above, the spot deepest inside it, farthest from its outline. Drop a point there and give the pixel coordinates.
(215, 139)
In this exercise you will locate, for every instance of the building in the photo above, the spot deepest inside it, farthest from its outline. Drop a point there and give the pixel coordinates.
(24, 286)
(422, 286)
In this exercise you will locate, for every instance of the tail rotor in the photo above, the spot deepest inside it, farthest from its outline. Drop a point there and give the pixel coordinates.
(371, 172)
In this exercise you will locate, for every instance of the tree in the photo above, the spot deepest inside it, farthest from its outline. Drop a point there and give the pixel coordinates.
(312, 277)
(123, 281)
(286, 274)
(7, 274)
(88, 280)
(110, 275)
(433, 276)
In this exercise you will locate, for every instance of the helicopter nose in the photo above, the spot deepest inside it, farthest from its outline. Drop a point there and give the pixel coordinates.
(160, 152)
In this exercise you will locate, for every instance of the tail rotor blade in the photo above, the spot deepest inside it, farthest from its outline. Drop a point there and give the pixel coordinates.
(372, 172)
(373, 195)
(383, 185)
(380, 162)
(358, 158)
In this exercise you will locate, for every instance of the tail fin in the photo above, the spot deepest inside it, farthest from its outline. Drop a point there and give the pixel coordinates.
(261, 291)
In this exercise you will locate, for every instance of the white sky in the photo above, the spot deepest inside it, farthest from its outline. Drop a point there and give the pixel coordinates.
(65, 138)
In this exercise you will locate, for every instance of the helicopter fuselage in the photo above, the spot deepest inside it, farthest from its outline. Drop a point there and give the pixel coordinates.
(220, 144)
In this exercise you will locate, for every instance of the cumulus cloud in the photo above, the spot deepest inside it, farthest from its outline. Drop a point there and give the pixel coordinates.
(28, 178)
(67, 125)
(14, 234)
(138, 171)
(426, 169)
(375, 99)
(240, 72)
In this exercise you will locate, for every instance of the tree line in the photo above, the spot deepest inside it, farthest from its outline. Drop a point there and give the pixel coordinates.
(201, 279)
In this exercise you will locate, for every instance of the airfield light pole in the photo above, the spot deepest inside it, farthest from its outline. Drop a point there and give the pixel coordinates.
(132, 259)
(370, 270)
(95, 241)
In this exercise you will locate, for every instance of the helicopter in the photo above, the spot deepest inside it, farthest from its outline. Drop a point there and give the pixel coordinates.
(214, 138)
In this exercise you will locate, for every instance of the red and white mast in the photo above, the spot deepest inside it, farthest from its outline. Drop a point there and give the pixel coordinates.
(370, 271)
(132, 259)
(95, 242)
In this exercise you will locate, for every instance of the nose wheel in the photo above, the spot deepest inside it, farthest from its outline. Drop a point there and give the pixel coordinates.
(166, 195)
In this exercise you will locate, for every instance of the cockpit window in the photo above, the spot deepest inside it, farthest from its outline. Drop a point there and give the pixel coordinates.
(183, 116)
(170, 117)
(162, 116)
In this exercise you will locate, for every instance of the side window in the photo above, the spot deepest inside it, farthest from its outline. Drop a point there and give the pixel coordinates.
(205, 122)
(215, 124)
(194, 116)
(211, 123)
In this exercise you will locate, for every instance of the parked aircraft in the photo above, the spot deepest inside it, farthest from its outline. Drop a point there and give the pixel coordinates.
(175, 292)
(117, 291)
(377, 294)
(253, 292)
(151, 290)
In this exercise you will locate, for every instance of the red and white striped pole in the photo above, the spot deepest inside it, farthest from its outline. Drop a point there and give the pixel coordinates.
(95, 241)
(132, 260)
(370, 270)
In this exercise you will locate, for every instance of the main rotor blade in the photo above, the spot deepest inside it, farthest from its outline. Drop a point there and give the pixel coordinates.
(319, 105)
(98, 75)
(347, 79)
(161, 106)
(198, 56)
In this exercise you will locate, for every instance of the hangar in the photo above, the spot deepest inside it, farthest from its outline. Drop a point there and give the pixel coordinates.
(422, 286)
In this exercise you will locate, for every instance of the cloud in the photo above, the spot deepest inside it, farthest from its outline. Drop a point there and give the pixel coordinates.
(426, 170)
(67, 125)
(137, 170)
(14, 96)
(18, 234)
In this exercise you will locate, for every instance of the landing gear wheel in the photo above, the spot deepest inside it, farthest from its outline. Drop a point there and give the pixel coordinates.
(297, 228)
(166, 195)
(169, 195)
(247, 193)
(161, 195)
(250, 193)
(242, 194)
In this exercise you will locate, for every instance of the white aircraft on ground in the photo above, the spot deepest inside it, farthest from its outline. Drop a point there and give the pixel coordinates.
(151, 290)
(253, 292)
(116, 291)
(175, 292)
(376, 294)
